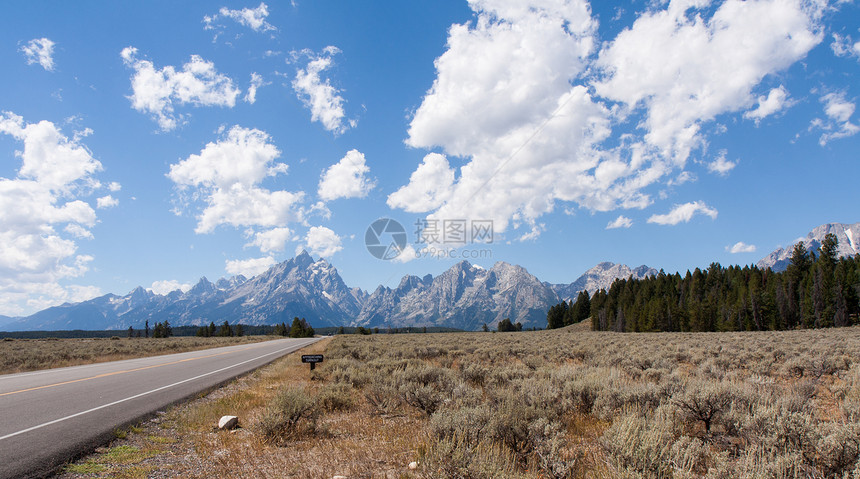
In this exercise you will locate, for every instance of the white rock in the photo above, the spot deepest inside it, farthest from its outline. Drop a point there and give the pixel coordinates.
(338, 477)
(413, 465)
(228, 422)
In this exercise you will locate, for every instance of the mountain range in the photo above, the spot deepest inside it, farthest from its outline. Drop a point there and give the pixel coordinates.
(466, 296)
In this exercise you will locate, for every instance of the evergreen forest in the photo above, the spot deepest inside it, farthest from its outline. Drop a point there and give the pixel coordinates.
(815, 291)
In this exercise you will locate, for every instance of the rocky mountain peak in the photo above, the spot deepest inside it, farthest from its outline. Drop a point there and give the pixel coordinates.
(230, 283)
(203, 287)
(847, 234)
(303, 260)
(601, 276)
(138, 295)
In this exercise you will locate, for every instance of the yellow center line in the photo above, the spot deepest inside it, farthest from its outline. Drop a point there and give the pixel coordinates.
(125, 371)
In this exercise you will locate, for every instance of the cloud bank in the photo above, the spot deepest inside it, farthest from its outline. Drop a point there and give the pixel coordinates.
(537, 113)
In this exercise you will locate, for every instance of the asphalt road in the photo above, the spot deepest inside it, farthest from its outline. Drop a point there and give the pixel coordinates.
(49, 417)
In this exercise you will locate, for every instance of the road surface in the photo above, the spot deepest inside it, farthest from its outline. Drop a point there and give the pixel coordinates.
(49, 417)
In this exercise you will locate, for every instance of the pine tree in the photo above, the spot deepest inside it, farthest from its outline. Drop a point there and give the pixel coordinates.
(225, 330)
(296, 330)
(505, 325)
(555, 316)
(581, 309)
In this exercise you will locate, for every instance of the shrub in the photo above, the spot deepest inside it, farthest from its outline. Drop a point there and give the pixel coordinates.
(464, 395)
(540, 393)
(425, 387)
(475, 374)
(703, 401)
(757, 462)
(511, 422)
(785, 432)
(335, 397)
(350, 371)
(427, 399)
(468, 424)
(458, 459)
(581, 393)
(382, 397)
(641, 445)
(839, 449)
(291, 413)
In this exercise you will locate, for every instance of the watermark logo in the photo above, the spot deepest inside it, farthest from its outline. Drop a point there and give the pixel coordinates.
(454, 232)
(385, 239)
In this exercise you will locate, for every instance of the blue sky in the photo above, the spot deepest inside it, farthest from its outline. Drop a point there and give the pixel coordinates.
(149, 144)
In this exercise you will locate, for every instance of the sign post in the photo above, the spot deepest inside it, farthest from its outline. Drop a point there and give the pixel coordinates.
(312, 359)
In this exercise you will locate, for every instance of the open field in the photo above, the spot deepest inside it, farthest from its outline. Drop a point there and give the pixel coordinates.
(562, 403)
(20, 355)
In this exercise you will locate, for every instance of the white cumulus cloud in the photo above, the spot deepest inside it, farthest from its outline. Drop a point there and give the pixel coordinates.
(253, 18)
(503, 99)
(158, 92)
(249, 267)
(256, 82)
(685, 68)
(317, 93)
(347, 178)
(272, 240)
(842, 46)
(721, 165)
(620, 222)
(683, 213)
(406, 255)
(838, 123)
(321, 241)
(536, 115)
(774, 102)
(41, 51)
(42, 213)
(430, 185)
(741, 247)
(226, 177)
(106, 202)
(168, 286)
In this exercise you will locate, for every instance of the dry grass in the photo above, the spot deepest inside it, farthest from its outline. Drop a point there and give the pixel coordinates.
(552, 404)
(20, 355)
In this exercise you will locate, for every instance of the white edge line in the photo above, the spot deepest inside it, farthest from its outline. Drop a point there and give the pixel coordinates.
(143, 359)
(23, 431)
